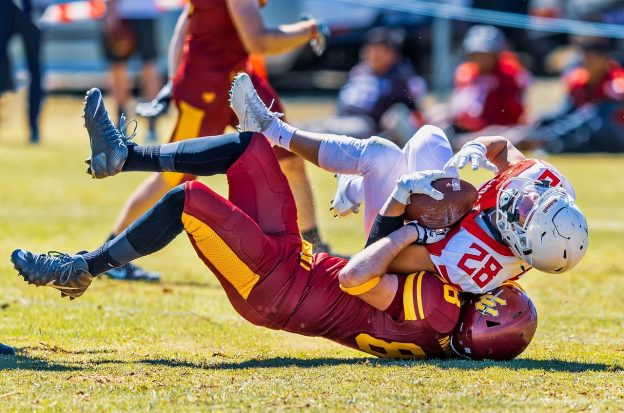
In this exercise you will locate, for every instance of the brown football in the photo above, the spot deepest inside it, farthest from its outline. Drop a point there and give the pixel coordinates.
(459, 198)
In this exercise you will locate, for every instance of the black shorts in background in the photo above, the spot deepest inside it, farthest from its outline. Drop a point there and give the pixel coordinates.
(134, 35)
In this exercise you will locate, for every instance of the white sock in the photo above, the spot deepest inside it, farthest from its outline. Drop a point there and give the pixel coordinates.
(279, 133)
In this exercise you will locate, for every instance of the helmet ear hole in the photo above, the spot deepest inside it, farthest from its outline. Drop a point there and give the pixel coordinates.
(491, 323)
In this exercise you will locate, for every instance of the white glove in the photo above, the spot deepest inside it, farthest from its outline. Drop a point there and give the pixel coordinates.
(427, 235)
(475, 152)
(419, 183)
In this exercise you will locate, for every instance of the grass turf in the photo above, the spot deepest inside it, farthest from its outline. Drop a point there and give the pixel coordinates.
(179, 346)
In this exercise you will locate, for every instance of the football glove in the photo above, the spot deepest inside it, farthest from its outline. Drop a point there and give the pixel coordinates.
(475, 152)
(159, 105)
(319, 42)
(419, 183)
(427, 235)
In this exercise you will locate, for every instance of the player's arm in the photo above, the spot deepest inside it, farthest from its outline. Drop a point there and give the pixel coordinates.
(365, 273)
(500, 151)
(177, 42)
(413, 257)
(160, 104)
(495, 153)
(257, 38)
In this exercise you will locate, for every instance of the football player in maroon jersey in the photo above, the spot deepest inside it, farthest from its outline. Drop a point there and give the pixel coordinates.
(212, 42)
(253, 245)
(524, 217)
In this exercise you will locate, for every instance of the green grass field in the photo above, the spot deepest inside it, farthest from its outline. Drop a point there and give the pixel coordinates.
(179, 346)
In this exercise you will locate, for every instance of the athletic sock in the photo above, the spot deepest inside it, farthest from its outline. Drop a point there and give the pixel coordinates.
(279, 133)
(142, 158)
(100, 261)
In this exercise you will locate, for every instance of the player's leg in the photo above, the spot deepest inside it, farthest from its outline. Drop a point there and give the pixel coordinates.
(429, 148)
(255, 269)
(194, 106)
(151, 81)
(199, 156)
(192, 122)
(294, 169)
(31, 36)
(378, 160)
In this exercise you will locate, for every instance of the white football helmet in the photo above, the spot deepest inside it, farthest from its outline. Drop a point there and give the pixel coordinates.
(542, 224)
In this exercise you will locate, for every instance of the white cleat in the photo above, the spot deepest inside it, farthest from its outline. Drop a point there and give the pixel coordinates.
(342, 205)
(253, 115)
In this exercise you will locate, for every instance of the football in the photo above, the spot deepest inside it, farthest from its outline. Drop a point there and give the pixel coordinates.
(459, 198)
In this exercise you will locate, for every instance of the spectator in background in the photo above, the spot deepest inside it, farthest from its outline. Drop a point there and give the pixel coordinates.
(489, 86)
(129, 27)
(16, 18)
(592, 116)
(382, 92)
(599, 78)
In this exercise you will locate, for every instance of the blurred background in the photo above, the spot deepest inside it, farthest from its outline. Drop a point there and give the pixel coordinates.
(545, 40)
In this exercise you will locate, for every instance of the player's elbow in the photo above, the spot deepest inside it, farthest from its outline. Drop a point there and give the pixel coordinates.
(257, 44)
(349, 278)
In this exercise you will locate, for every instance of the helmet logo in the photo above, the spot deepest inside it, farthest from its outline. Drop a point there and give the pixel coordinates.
(488, 302)
(550, 204)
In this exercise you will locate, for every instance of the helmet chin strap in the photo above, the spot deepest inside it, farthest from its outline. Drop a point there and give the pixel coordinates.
(490, 222)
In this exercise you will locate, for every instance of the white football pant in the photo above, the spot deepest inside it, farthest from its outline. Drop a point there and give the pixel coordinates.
(377, 163)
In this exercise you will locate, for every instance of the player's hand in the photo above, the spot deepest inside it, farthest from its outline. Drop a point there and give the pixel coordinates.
(419, 183)
(473, 152)
(427, 235)
(319, 42)
(159, 105)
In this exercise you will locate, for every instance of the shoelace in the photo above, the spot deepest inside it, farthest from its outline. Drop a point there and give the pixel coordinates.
(259, 111)
(113, 133)
(124, 125)
(55, 262)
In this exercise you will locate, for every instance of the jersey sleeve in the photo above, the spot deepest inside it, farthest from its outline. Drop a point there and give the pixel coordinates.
(427, 298)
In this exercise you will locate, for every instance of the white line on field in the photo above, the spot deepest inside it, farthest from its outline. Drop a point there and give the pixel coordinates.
(606, 225)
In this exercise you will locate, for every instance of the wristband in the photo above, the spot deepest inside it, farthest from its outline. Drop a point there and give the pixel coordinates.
(362, 288)
(382, 227)
(313, 31)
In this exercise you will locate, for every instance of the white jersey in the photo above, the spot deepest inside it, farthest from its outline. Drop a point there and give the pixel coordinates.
(470, 257)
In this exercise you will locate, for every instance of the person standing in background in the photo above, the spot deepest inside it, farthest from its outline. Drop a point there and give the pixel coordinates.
(212, 42)
(129, 27)
(16, 18)
(489, 85)
(382, 93)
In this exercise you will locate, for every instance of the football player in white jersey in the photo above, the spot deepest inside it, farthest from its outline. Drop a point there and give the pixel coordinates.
(524, 217)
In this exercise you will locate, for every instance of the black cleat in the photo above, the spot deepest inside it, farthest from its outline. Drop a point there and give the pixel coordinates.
(67, 273)
(6, 350)
(109, 148)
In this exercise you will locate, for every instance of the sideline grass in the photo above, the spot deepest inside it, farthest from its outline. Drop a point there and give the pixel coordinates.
(179, 345)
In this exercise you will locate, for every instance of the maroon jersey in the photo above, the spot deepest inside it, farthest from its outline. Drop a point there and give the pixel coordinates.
(428, 312)
(212, 41)
(252, 244)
